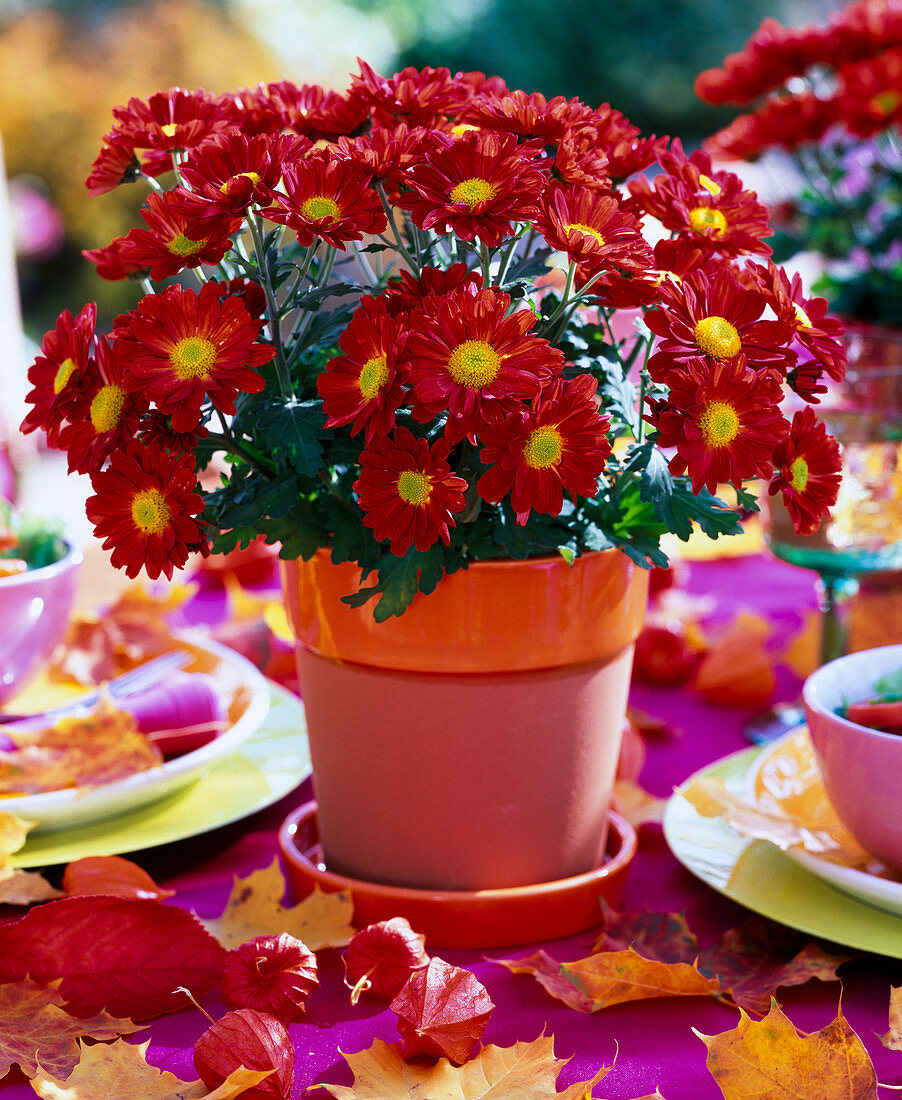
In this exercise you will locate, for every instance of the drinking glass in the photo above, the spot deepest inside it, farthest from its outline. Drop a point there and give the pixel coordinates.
(863, 533)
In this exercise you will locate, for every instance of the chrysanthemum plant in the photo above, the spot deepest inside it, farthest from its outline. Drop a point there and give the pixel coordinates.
(832, 97)
(433, 321)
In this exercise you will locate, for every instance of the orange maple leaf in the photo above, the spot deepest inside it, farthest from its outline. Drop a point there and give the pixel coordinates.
(636, 804)
(19, 887)
(119, 1071)
(737, 669)
(37, 1034)
(769, 1058)
(893, 1038)
(255, 909)
(525, 1071)
(649, 955)
(86, 750)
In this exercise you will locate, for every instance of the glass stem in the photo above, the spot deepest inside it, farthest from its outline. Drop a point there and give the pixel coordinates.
(833, 593)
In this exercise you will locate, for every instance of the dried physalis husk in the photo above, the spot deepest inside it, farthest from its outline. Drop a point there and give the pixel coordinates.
(273, 974)
(254, 1040)
(381, 957)
(442, 1012)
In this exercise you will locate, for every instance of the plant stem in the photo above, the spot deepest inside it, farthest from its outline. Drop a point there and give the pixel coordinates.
(399, 244)
(272, 305)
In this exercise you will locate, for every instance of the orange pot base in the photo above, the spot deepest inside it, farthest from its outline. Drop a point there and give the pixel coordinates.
(467, 918)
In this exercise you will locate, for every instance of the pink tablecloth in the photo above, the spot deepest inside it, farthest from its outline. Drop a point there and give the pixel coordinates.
(652, 1041)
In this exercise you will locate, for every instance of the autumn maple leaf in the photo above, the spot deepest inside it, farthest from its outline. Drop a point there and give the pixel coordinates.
(18, 887)
(255, 909)
(119, 1071)
(525, 1071)
(769, 1058)
(36, 1033)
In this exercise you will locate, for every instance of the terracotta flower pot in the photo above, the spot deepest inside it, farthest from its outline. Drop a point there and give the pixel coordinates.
(472, 742)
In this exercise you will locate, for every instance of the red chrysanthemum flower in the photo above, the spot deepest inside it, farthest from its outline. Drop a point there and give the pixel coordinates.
(475, 186)
(248, 290)
(784, 121)
(870, 93)
(176, 119)
(593, 230)
(169, 244)
(111, 419)
(230, 172)
(387, 154)
(406, 293)
(808, 472)
(690, 197)
(622, 144)
(115, 163)
(314, 113)
(144, 510)
(419, 97)
(673, 257)
(812, 326)
(467, 357)
(559, 445)
(157, 431)
(717, 317)
(182, 348)
(528, 115)
(723, 419)
(365, 386)
(60, 375)
(330, 198)
(407, 492)
(579, 161)
(251, 111)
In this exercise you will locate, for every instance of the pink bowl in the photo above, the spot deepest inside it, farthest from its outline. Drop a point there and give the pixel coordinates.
(861, 768)
(34, 610)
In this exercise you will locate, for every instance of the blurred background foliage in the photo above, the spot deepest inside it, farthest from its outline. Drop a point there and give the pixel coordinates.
(65, 63)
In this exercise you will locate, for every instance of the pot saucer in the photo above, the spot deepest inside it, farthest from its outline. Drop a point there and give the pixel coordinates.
(475, 919)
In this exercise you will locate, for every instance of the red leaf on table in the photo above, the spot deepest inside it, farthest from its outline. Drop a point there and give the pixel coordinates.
(110, 875)
(442, 1012)
(382, 956)
(120, 954)
(254, 1040)
(274, 974)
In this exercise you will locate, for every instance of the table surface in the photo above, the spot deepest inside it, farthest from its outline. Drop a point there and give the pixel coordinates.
(651, 1042)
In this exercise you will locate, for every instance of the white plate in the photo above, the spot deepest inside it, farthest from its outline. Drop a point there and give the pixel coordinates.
(245, 693)
(885, 893)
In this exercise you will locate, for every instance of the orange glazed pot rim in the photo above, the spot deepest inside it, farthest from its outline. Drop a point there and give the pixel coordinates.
(501, 615)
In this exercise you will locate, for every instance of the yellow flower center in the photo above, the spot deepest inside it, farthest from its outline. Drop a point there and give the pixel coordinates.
(193, 357)
(462, 127)
(707, 217)
(318, 207)
(150, 512)
(63, 373)
(885, 103)
(169, 129)
(106, 408)
(709, 184)
(474, 363)
(414, 487)
(181, 245)
(715, 336)
(252, 176)
(798, 475)
(470, 192)
(801, 316)
(579, 227)
(543, 448)
(719, 424)
(373, 376)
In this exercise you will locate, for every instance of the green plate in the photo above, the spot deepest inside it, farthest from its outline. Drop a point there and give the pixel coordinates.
(270, 764)
(758, 875)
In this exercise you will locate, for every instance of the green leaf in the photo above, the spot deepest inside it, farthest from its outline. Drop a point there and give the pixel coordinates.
(294, 432)
(399, 581)
(683, 508)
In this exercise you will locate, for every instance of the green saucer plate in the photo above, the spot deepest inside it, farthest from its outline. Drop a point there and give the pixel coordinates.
(759, 876)
(270, 764)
